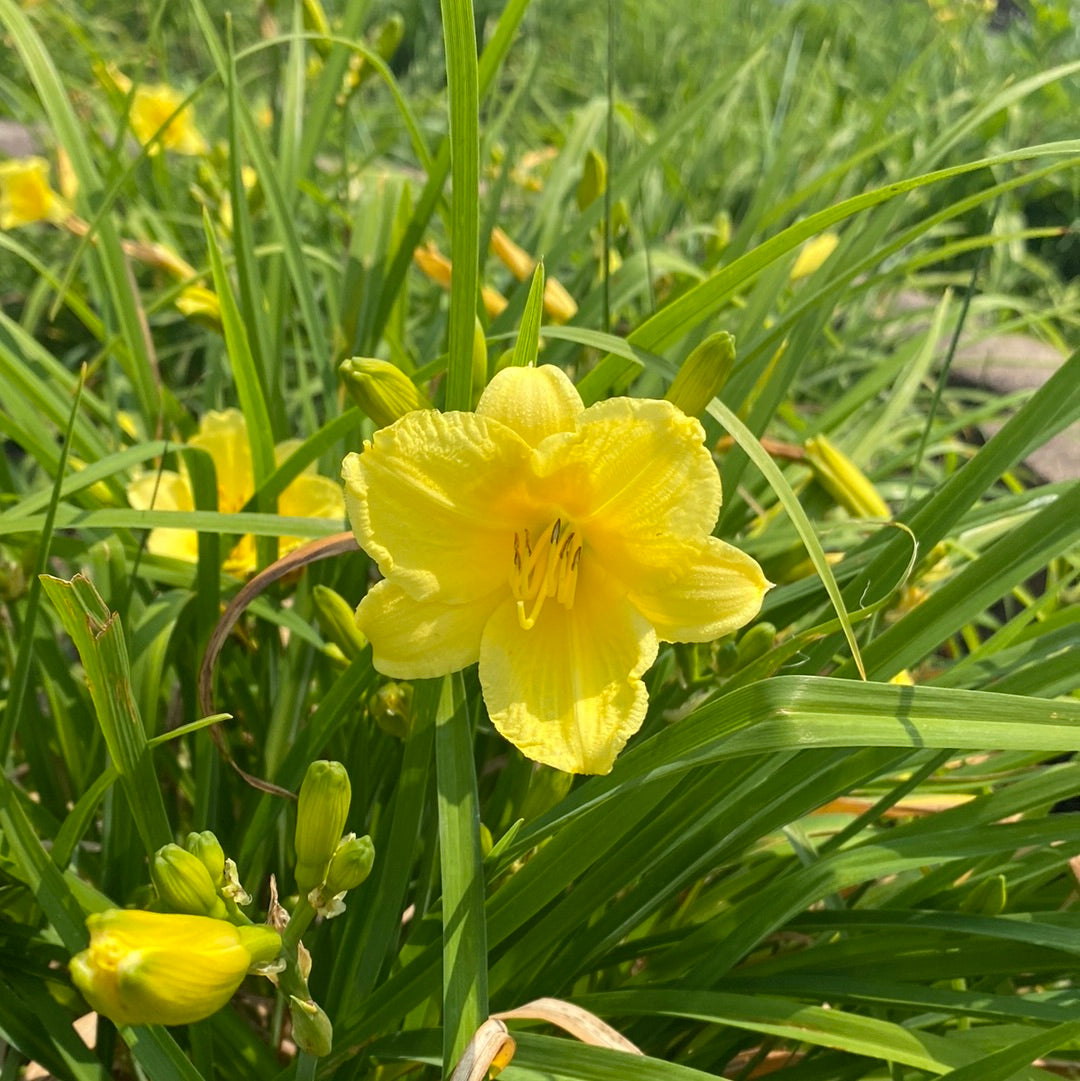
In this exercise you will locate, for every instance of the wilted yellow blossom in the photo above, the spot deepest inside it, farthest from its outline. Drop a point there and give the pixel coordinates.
(559, 305)
(25, 194)
(440, 270)
(224, 437)
(556, 545)
(146, 968)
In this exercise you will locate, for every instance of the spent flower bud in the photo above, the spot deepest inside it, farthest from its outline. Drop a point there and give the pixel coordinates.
(311, 1028)
(844, 480)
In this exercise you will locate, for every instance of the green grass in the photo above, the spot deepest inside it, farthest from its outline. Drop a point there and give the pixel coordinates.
(789, 862)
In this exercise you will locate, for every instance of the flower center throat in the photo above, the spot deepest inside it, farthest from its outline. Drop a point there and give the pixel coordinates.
(545, 566)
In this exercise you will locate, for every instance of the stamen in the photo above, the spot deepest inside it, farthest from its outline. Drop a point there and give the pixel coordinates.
(548, 571)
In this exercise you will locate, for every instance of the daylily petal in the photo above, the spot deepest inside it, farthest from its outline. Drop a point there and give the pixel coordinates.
(413, 639)
(638, 479)
(719, 592)
(312, 496)
(223, 435)
(568, 692)
(160, 491)
(166, 491)
(534, 402)
(435, 498)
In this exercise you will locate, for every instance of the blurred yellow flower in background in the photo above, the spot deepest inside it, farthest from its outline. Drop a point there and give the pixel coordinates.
(151, 108)
(556, 545)
(223, 435)
(813, 255)
(146, 968)
(26, 196)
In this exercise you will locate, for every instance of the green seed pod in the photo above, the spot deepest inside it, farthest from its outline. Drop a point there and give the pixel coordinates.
(184, 884)
(206, 847)
(703, 374)
(381, 389)
(320, 821)
(350, 865)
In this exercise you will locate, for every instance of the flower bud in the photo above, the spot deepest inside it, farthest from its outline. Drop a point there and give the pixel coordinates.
(844, 480)
(200, 305)
(813, 254)
(320, 821)
(559, 305)
(703, 374)
(207, 848)
(145, 968)
(593, 181)
(391, 709)
(337, 621)
(184, 884)
(512, 256)
(350, 865)
(311, 1028)
(756, 642)
(381, 389)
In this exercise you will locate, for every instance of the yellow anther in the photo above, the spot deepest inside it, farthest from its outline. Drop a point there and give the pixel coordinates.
(548, 571)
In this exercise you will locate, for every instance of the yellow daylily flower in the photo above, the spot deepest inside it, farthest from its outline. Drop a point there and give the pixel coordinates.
(151, 107)
(25, 194)
(556, 545)
(146, 968)
(223, 435)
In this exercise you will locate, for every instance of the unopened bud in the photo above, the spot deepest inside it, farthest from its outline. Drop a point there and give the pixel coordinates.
(320, 821)
(350, 865)
(311, 1028)
(388, 35)
(593, 181)
(844, 480)
(206, 847)
(262, 943)
(381, 389)
(183, 883)
(756, 642)
(391, 709)
(200, 305)
(813, 254)
(337, 621)
(703, 374)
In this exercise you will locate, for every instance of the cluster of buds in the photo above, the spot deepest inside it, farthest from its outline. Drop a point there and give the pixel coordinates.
(179, 965)
(328, 865)
(183, 962)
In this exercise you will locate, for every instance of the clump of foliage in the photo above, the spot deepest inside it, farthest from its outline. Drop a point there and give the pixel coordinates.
(843, 842)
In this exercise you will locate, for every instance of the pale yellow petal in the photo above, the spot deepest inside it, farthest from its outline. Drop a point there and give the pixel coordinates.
(639, 482)
(309, 496)
(312, 496)
(568, 692)
(413, 639)
(160, 491)
(167, 491)
(534, 402)
(224, 436)
(435, 498)
(719, 592)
